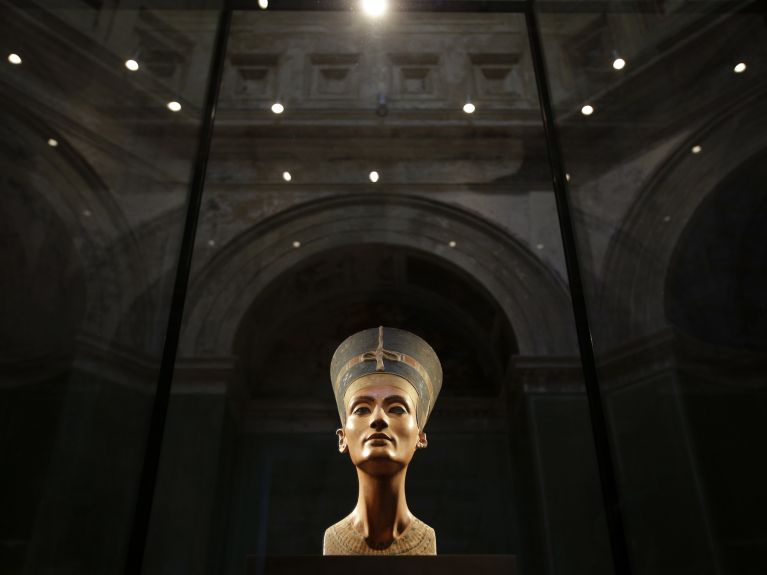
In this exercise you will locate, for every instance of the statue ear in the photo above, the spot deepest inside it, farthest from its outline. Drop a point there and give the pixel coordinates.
(342, 446)
(422, 441)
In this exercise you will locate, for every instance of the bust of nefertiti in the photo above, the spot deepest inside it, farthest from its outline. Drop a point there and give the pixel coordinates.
(385, 382)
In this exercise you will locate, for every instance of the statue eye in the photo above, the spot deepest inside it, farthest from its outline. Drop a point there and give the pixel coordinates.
(361, 410)
(398, 409)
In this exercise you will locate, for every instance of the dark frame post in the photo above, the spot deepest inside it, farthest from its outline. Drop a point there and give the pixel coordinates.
(598, 418)
(148, 480)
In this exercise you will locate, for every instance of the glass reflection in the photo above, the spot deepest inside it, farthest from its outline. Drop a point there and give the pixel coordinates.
(668, 195)
(94, 186)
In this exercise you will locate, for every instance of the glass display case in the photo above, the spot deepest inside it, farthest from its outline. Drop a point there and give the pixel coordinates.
(201, 200)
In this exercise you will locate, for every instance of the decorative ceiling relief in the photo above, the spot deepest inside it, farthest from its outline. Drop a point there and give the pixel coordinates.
(334, 76)
(415, 75)
(497, 76)
(256, 76)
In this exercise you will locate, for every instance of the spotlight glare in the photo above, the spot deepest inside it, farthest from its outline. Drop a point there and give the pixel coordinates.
(739, 68)
(53, 142)
(374, 176)
(696, 149)
(619, 63)
(587, 110)
(174, 106)
(469, 108)
(374, 8)
(263, 4)
(286, 176)
(278, 108)
(131, 64)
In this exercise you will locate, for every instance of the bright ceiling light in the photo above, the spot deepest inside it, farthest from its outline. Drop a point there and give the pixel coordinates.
(739, 68)
(296, 244)
(469, 108)
(14, 58)
(52, 142)
(131, 64)
(587, 110)
(452, 243)
(696, 149)
(286, 176)
(374, 176)
(174, 106)
(619, 63)
(374, 8)
(263, 4)
(278, 108)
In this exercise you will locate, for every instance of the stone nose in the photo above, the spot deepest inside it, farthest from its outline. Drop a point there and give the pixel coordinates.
(379, 420)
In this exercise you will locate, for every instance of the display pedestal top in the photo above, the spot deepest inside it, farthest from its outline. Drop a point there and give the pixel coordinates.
(383, 565)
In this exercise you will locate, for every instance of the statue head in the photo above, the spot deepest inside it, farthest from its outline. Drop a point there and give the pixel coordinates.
(385, 381)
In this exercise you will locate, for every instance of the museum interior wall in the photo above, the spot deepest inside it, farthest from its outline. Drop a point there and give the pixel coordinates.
(457, 238)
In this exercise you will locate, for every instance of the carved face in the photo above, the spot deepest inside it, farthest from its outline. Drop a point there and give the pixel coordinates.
(381, 431)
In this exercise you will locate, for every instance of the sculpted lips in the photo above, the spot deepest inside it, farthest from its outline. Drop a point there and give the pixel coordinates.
(378, 436)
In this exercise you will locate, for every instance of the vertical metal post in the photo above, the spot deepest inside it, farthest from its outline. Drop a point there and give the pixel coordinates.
(145, 495)
(599, 426)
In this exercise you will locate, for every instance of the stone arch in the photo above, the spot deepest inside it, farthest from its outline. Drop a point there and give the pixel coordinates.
(530, 295)
(633, 278)
(64, 181)
(717, 280)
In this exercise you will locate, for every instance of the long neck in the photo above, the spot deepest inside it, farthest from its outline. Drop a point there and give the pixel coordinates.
(381, 514)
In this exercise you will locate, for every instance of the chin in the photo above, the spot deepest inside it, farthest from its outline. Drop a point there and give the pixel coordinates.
(381, 465)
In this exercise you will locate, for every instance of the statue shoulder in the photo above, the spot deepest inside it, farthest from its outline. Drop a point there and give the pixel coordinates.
(428, 542)
(336, 540)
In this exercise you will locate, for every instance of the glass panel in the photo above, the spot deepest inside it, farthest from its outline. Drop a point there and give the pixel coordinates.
(372, 198)
(667, 184)
(95, 174)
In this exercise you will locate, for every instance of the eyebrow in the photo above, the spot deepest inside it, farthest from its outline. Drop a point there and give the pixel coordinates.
(389, 399)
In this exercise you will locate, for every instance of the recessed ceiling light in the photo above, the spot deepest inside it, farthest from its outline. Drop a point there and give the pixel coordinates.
(296, 244)
(286, 176)
(14, 58)
(452, 244)
(374, 176)
(739, 68)
(567, 177)
(131, 64)
(696, 149)
(469, 108)
(278, 108)
(87, 213)
(619, 63)
(374, 8)
(666, 218)
(174, 106)
(539, 246)
(53, 142)
(587, 110)
(263, 4)
(212, 243)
